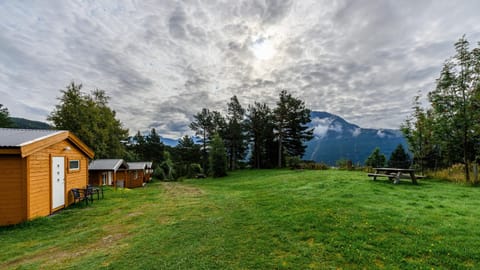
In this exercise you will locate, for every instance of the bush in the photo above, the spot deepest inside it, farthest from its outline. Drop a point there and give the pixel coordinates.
(293, 163)
(344, 164)
(195, 169)
(310, 165)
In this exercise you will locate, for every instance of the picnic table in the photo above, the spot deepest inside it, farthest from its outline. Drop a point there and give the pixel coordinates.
(394, 174)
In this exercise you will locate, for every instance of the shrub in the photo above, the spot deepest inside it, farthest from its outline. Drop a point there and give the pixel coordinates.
(309, 165)
(344, 164)
(195, 169)
(293, 163)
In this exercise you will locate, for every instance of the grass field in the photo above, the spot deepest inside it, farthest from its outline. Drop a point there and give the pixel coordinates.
(267, 219)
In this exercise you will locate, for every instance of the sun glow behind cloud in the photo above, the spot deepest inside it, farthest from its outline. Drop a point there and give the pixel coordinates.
(262, 48)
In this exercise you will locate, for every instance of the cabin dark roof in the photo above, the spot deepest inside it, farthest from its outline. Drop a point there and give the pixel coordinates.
(11, 137)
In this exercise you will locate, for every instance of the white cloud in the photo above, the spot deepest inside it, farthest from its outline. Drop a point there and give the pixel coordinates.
(356, 132)
(162, 61)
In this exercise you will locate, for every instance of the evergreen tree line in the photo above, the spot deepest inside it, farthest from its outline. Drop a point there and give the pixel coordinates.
(269, 134)
(448, 131)
(398, 159)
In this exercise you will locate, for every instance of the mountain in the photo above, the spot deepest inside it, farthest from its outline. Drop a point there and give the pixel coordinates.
(29, 124)
(337, 139)
(168, 141)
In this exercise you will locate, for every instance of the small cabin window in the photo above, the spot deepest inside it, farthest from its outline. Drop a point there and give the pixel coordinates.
(74, 165)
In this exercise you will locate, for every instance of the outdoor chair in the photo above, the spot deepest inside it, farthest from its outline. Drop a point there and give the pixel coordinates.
(91, 190)
(80, 195)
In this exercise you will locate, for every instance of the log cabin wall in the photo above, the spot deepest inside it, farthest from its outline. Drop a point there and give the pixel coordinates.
(95, 178)
(134, 178)
(13, 189)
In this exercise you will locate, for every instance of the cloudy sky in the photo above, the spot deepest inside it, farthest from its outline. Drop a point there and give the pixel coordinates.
(162, 61)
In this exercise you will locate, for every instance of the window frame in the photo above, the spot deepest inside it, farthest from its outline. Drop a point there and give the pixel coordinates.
(74, 169)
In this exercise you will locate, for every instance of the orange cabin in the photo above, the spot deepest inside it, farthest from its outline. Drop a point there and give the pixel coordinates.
(136, 174)
(38, 170)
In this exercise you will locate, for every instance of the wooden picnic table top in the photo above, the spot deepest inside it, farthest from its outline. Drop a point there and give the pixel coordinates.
(394, 170)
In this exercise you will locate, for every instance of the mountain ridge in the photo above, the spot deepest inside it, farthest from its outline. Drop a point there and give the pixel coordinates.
(336, 139)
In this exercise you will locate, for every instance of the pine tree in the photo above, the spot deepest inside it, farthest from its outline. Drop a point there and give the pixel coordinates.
(187, 153)
(291, 118)
(399, 158)
(376, 159)
(202, 125)
(234, 137)
(259, 126)
(154, 148)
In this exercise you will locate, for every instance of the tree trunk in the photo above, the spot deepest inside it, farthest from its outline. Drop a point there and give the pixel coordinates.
(279, 151)
(475, 173)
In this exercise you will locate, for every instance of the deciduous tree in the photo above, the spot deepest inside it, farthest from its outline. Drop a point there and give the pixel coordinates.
(218, 157)
(4, 117)
(90, 118)
(453, 102)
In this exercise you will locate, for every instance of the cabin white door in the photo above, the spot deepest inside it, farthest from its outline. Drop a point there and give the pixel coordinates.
(58, 182)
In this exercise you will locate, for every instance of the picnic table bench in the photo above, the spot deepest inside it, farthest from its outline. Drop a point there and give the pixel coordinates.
(395, 174)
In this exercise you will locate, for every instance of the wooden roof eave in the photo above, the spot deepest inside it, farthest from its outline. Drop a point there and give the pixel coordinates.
(10, 151)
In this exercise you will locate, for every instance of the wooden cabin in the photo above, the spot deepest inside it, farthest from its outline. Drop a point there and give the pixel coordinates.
(108, 172)
(136, 173)
(38, 168)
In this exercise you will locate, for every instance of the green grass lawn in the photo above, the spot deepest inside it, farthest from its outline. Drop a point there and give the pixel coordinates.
(265, 219)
